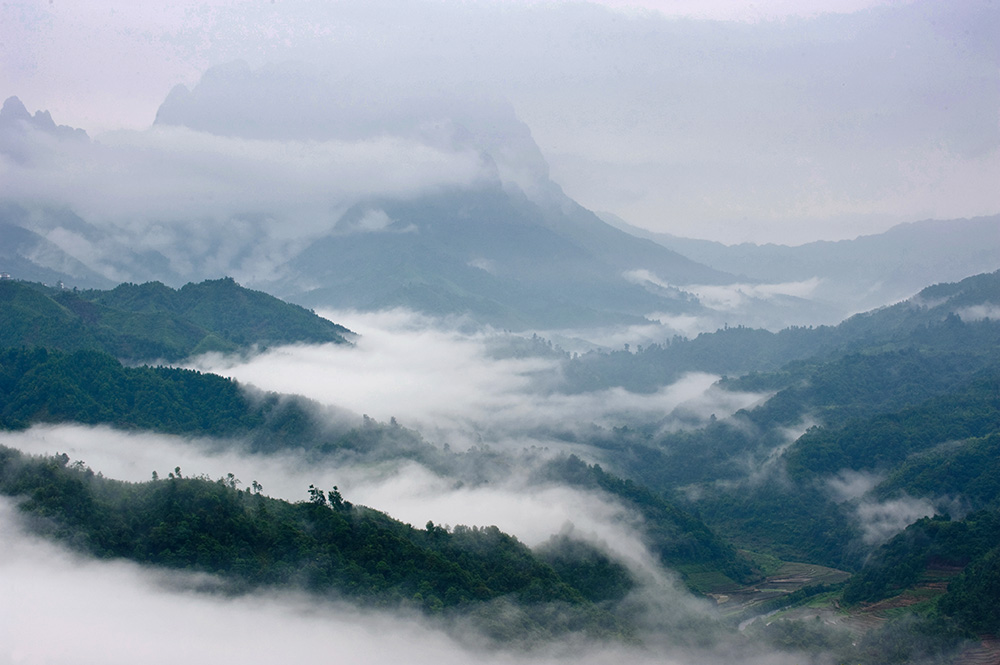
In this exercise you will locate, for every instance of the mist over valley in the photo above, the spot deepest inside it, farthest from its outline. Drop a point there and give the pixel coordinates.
(500, 332)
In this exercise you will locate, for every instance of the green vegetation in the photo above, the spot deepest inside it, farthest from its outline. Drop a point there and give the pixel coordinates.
(972, 597)
(927, 543)
(154, 322)
(786, 357)
(969, 468)
(679, 539)
(92, 388)
(906, 398)
(323, 544)
(887, 440)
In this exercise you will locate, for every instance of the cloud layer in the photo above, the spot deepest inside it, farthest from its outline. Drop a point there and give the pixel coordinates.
(785, 130)
(218, 205)
(450, 385)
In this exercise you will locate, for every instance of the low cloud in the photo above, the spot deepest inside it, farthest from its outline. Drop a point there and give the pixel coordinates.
(214, 204)
(660, 326)
(733, 296)
(447, 383)
(851, 485)
(405, 490)
(980, 312)
(56, 610)
(881, 521)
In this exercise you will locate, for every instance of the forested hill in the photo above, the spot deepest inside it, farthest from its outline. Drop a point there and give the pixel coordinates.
(925, 320)
(92, 388)
(151, 321)
(323, 544)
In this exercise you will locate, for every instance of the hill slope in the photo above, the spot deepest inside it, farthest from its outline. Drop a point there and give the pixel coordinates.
(154, 322)
(859, 274)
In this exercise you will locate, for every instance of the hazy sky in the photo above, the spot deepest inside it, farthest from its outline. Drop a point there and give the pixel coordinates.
(766, 121)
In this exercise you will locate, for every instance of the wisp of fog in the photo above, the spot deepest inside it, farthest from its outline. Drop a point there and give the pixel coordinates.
(446, 383)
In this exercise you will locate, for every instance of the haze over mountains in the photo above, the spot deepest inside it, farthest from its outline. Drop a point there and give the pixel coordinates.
(852, 276)
(333, 198)
(327, 355)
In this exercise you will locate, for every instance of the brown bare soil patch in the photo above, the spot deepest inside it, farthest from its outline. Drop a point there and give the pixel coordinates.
(986, 652)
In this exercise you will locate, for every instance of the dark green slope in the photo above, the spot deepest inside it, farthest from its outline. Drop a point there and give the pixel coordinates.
(93, 388)
(929, 321)
(969, 468)
(154, 322)
(908, 392)
(88, 387)
(238, 314)
(887, 440)
(30, 316)
(325, 544)
(950, 567)
(798, 516)
(681, 541)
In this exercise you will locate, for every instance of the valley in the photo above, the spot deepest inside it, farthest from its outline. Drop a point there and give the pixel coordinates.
(515, 333)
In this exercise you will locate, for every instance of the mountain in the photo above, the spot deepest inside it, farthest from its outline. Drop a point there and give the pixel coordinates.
(89, 387)
(490, 253)
(859, 274)
(896, 407)
(16, 121)
(514, 251)
(326, 545)
(154, 322)
(904, 406)
(488, 236)
(926, 319)
(29, 256)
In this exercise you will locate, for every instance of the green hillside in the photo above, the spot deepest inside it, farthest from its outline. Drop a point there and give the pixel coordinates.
(151, 321)
(88, 387)
(323, 544)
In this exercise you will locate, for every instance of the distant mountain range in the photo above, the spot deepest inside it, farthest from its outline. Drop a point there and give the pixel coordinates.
(854, 275)
(904, 401)
(487, 249)
(507, 249)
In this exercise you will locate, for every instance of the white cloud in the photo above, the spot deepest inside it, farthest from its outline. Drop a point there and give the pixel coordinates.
(850, 485)
(725, 297)
(980, 312)
(446, 383)
(405, 490)
(880, 521)
(170, 173)
(774, 129)
(56, 609)
(221, 205)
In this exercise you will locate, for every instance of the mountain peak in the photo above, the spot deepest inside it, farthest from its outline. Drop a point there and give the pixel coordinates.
(13, 109)
(300, 102)
(14, 112)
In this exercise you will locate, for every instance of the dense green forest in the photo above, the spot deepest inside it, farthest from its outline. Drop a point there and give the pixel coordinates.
(907, 398)
(93, 388)
(149, 322)
(323, 544)
(89, 387)
(909, 383)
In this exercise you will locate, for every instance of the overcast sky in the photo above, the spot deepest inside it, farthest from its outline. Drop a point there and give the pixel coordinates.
(766, 121)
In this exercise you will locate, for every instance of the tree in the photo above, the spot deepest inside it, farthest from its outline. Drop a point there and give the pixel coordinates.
(317, 496)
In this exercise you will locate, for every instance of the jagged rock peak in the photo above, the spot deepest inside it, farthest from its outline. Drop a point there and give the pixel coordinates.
(13, 109)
